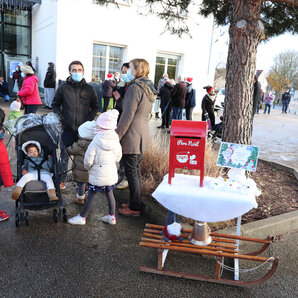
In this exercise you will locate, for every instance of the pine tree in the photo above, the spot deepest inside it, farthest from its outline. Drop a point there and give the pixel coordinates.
(250, 21)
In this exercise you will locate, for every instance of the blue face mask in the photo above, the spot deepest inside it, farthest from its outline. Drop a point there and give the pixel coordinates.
(129, 75)
(77, 76)
(23, 75)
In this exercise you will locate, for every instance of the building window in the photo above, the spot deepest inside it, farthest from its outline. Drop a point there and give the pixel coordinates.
(106, 59)
(15, 38)
(166, 64)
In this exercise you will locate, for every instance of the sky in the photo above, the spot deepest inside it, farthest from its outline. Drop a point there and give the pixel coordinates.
(276, 45)
(266, 50)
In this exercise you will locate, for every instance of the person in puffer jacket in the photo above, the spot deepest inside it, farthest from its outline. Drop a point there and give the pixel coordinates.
(6, 179)
(33, 150)
(78, 150)
(29, 92)
(100, 160)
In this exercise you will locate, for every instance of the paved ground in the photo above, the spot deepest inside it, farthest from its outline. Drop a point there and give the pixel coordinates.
(59, 260)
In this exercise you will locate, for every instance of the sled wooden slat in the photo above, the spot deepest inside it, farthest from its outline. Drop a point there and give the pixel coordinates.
(222, 246)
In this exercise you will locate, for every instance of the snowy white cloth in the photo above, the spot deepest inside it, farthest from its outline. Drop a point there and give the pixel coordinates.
(101, 157)
(217, 200)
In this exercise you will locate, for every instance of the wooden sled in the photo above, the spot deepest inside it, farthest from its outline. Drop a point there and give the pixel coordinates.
(222, 245)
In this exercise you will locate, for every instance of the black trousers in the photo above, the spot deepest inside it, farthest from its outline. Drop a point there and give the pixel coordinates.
(188, 112)
(132, 169)
(30, 109)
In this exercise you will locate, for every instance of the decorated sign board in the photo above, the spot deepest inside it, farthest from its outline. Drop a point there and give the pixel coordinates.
(187, 147)
(238, 156)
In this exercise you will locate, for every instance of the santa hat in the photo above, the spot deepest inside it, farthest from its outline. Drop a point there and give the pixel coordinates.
(188, 80)
(110, 76)
(210, 89)
(107, 120)
(172, 232)
(26, 69)
(15, 106)
(86, 130)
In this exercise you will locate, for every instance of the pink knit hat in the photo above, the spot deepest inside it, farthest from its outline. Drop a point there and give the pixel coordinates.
(107, 120)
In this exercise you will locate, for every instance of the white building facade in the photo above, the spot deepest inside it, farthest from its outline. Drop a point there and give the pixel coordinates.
(104, 37)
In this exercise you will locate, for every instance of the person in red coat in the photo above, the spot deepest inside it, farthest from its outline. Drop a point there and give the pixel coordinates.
(5, 170)
(29, 92)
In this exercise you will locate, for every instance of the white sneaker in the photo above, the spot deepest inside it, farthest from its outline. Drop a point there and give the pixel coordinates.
(122, 184)
(109, 220)
(77, 220)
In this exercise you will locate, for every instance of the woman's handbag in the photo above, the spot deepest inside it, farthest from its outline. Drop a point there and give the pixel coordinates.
(116, 95)
(15, 87)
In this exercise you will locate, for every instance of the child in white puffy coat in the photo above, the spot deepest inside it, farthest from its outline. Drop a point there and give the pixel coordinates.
(100, 160)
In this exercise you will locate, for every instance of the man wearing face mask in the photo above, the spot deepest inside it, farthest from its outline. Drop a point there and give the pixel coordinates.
(75, 102)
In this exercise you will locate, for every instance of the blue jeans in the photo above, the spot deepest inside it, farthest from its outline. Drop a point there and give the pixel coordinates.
(267, 106)
(177, 113)
(6, 96)
(285, 104)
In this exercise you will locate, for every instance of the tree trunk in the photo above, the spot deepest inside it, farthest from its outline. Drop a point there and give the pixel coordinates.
(245, 32)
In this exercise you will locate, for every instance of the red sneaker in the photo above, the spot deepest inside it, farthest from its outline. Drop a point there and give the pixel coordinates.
(2, 212)
(4, 217)
(128, 212)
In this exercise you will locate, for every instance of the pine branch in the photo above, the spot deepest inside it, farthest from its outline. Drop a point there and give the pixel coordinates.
(290, 2)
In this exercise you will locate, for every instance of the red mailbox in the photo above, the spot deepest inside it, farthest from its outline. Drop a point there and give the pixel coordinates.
(187, 146)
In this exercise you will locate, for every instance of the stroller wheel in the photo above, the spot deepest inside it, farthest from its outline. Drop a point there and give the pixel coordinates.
(55, 215)
(64, 215)
(17, 219)
(26, 217)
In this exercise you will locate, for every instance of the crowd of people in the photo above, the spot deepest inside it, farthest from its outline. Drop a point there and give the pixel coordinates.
(107, 149)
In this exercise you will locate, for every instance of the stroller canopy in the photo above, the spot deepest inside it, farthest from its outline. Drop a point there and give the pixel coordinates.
(38, 127)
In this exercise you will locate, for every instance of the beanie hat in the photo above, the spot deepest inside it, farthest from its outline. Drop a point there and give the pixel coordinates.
(86, 130)
(189, 80)
(15, 106)
(110, 76)
(108, 120)
(27, 69)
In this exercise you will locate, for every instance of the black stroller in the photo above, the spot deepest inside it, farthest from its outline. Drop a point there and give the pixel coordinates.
(44, 129)
(215, 134)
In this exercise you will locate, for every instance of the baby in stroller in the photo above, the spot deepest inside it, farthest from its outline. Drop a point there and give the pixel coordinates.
(35, 163)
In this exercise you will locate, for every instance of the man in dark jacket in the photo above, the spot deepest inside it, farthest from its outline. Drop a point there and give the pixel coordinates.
(256, 95)
(4, 89)
(286, 98)
(190, 100)
(75, 102)
(49, 85)
(178, 96)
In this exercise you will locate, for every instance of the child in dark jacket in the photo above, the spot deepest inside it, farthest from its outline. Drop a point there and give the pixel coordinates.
(78, 149)
(33, 150)
(6, 179)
